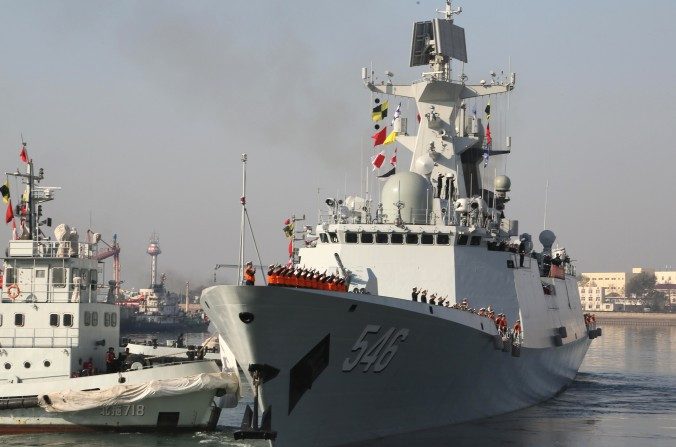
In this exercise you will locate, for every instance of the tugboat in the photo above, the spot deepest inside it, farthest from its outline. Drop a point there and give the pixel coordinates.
(61, 367)
(432, 310)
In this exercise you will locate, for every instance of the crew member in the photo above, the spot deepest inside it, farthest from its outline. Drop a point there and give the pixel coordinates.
(249, 274)
(414, 294)
(517, 328)
(110, 360)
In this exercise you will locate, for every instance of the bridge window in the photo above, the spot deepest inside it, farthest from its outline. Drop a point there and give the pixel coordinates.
(113, 319)
(443, 239)
(476, 240)
(95, 318)
(68, 320)
(462, 239)
(19, 320)
(397, 238)
(412, 239)
(350, 237)
(93, 278)
(367, 238)
(54, 320)
(40, 273)
(427, 239)
(87, 318)
(106, 319)
(85, 279)
(0, 319)
(323, 237)
(59, 277)
(334, 237)
(381, 238)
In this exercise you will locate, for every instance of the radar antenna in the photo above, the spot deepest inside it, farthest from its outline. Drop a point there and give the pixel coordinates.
(449, 12)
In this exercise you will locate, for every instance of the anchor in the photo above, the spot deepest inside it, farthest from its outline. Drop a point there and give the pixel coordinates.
(250, 429)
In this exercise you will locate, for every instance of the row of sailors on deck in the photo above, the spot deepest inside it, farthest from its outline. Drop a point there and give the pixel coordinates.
(279, 275)
(500, 319)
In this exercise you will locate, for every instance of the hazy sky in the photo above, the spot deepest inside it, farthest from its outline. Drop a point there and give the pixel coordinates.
(140, 111)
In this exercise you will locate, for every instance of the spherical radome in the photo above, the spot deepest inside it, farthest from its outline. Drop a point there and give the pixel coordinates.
(502, 183)
(411, 189)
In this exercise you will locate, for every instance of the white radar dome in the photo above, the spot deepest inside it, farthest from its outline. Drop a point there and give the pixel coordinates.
(547, 238)
(424, 164)
(415, 193)
(502, 183)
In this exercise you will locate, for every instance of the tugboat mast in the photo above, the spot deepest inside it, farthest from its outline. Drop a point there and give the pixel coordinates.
(242, 200)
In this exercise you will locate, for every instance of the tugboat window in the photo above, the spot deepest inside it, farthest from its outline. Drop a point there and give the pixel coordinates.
(476, 240)
(323, 237)
(10, 277)
(59, 277)
(106, 319)
(462, 239)
(113, 319)
(95, 318)
(412, 239)
(381, 238)
(8, 366)
(427, 239)
(367, 238)
(334, 237)
(85, 279)
(397, 238)
(350, 238)
(443, 239)
(68, 320)
(54, 320)
(19, 320)
(87, 318)
(0, 319)
(39, 273)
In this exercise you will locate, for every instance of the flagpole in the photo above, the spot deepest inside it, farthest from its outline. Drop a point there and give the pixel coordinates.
(240, 269)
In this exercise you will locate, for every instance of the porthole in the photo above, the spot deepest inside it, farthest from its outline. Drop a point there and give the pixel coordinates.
(47, 363)
(26, 365)
(8, 366)
(246, 317)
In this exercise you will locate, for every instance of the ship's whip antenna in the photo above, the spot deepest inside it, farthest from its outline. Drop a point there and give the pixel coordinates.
(242, 200)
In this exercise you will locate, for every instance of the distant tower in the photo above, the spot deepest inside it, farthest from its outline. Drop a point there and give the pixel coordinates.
(154, 251)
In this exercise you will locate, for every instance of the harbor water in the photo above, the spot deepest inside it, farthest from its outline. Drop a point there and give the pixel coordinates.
(624, 395)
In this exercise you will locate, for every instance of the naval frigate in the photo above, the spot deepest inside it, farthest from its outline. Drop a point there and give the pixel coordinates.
(335, 367)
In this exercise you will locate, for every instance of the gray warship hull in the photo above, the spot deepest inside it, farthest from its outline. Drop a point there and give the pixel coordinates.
(352, 367)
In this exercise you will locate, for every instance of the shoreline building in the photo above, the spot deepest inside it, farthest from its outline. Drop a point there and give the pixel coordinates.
(606, 291)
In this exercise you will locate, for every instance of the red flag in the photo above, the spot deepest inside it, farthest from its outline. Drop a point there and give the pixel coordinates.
(489, 140)
(9, 214)
(393, 160)
(378, 160)
(24, 153)
(379, 137)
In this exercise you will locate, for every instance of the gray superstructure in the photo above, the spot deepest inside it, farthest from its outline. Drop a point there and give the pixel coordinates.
(334, 368)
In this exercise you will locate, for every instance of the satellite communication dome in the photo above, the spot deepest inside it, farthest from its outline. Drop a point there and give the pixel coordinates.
(502, 183)
(547, 238)
(415, 193)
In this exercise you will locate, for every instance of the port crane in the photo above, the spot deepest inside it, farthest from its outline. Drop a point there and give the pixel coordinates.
(114, 251)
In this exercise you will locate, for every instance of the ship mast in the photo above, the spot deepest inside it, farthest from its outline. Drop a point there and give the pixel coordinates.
(242, 200)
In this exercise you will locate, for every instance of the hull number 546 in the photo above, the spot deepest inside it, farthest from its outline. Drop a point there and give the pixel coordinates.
(377, 356)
